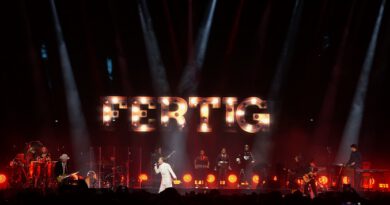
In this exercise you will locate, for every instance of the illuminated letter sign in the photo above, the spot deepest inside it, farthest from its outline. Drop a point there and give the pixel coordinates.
(248, 121)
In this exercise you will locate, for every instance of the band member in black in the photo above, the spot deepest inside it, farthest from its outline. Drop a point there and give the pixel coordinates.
(354, 163)
(202, 165)
(309, 178)
(355, 158)
(245, 161)
(61, 167)
(295, 173)
(223, 166)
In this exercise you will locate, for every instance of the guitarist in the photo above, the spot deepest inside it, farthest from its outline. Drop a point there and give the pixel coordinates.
(309, 178)
(61, 167)
(295, 173)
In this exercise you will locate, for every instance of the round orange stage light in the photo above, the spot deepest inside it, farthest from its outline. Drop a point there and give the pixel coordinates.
(255, 179)
(275, 178)
(346, 180)
(210, 178)
(187, 178)
(323, 180)
(232, 178)
(368, 182)
(143, 177)
(3, 178)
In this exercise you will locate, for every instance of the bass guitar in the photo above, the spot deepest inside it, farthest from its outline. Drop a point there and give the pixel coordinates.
(62, 177)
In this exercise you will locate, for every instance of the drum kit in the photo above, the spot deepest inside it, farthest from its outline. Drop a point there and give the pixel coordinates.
(112, 176)
(33, 168)
(106, 174)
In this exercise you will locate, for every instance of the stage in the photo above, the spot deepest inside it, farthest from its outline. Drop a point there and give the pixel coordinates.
(184, 196)
(226, 101)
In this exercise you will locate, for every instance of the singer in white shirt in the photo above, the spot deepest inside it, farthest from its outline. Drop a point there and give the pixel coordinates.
(166, 174)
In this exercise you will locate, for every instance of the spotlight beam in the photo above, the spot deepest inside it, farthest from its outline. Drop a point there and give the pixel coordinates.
(41, 95)
(263, 145)
(190, 43)
(233, 33)
(175, 48)
(352, 128)
(189, 81)
(78, 128)
(327, 109)
(159, 78)
(287, 50)
(119, 49)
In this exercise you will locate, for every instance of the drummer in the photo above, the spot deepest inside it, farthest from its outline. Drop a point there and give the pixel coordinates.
(44, 155)
(45, 166)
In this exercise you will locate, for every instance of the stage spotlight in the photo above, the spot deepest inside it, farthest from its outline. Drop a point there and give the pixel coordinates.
(106, 118)
(187, 178)
(240, 113)
(263, 118)
(346, 180)
(165, 101)
(368, 182)
(143, 177)
(106, 109)
(164, 119)
(114, 100)
(383, 186)
(275, 178)
(143, 128)
(3, 178)
(215, 100)
(230, 101)
(176, 182)
(210, 178)
(253, 101)
(193, 101)
(204, 128)
(323, 180)
(230, 119)
(109, 68)
(143, 100)
(232, 178)
(256, 179)
(135, 118)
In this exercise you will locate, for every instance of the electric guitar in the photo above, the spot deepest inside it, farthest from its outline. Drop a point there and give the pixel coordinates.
(62, 177)
(309, 176)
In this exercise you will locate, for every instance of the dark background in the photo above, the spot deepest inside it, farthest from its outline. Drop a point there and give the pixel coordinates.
(33, 95)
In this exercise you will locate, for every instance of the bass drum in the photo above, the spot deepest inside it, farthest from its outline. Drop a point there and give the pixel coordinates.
(108, 180)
